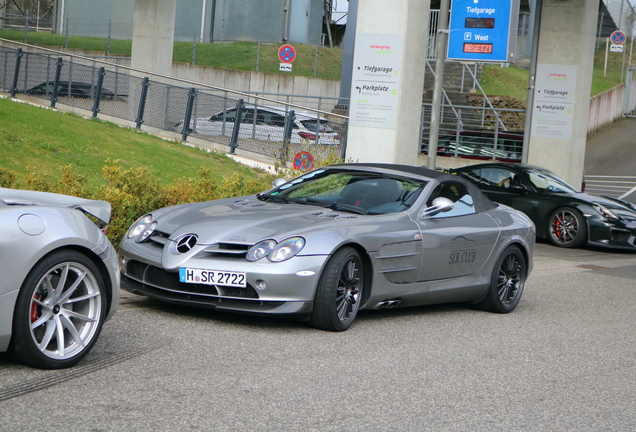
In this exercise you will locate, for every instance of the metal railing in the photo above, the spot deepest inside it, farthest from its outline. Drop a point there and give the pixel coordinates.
(476, 132)
(229, 118)
(614, 186)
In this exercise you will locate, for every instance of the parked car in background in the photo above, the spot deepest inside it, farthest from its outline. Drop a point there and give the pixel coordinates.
(332, 242)
(562, 214)
(60, 279)
(481, 145)
(266, 124)
(73, 89)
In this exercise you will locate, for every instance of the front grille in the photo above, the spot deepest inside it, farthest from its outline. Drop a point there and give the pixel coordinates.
(159, 278)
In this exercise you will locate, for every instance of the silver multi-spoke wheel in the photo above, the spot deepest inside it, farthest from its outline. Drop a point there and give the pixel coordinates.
(65, 310)
(339, 292)
(60, 311)
(567, 228)
(508, 279)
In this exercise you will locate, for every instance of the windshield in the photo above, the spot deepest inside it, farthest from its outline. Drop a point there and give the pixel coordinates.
(545, 181)
(312, 125)
(353, 191)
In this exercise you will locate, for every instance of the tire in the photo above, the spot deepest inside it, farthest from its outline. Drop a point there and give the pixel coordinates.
(59, 312)
(507, 282)
(339, 292)
(567, 228)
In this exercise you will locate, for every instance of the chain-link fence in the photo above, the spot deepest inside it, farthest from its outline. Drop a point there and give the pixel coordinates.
(249, 122)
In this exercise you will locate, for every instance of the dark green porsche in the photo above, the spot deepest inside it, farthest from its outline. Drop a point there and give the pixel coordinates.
(562, 214)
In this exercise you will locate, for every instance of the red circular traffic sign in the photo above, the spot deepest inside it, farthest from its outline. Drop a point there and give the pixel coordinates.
(618, 38)
(304, 161)
(287, 53)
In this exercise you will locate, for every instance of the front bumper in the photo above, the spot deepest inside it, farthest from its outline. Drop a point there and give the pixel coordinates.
(611, 234)
(285, 292)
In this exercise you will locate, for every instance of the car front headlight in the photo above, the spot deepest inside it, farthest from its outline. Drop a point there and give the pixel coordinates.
(139, 226)
(260, 250)
(276, 252)
(147, 232)
(287, 249)
(604, 211)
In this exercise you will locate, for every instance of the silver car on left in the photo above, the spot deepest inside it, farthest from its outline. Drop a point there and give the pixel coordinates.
(60, 280)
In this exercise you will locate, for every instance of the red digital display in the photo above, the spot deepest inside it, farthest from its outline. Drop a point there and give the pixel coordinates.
(478, 48)
(488, 23)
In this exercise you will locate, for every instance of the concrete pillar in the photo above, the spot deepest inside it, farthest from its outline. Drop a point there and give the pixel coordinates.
(562, 89)
(388, 78)
(153, 35)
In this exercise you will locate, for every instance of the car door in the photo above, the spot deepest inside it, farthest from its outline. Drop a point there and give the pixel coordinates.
(458, 242)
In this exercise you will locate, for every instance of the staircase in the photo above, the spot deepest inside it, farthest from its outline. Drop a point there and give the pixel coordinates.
(458, 86)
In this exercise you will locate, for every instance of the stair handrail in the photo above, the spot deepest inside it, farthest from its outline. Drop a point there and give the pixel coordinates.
(464, 65)
(450, 103)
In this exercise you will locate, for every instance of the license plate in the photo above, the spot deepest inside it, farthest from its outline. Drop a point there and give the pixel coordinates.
(212, 277)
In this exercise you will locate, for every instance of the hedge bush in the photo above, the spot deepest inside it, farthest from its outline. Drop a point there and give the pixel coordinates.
(134, 192)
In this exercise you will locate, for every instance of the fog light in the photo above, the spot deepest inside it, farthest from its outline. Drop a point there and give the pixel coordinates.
(260, 284)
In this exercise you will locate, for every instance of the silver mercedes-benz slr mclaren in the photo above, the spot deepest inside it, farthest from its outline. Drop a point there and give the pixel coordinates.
(60, 278)
(332, 242)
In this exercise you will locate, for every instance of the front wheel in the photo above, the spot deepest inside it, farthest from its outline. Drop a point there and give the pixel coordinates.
(59, 313)
(339, 292)
(567, 228)
(507, 282)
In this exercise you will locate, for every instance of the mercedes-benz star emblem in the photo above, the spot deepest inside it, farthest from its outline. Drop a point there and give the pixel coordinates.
(186, 243)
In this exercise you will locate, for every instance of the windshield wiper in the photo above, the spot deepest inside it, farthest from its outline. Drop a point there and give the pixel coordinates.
(346, 207)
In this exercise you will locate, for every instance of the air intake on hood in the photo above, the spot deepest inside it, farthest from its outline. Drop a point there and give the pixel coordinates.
(233, 250)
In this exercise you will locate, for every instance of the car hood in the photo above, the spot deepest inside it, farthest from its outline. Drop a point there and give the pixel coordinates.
(99, 209)
(247, 220)
(620, 208)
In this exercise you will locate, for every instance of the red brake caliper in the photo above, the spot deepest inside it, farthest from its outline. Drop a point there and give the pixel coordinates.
(558, 230)
(35, 309)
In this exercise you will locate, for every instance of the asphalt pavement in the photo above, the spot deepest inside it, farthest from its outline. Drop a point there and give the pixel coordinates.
(611, 151)
(564, 360)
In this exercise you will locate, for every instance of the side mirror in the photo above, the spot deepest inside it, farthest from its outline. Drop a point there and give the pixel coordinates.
(440, 205)
(279, 182)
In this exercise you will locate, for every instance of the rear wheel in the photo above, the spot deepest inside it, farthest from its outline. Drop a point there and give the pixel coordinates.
(567, 228)
(507, 282)
(339, 292)
(59, 313)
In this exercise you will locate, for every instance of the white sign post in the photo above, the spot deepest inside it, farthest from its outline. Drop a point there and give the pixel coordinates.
(553, 107)
(374, 89)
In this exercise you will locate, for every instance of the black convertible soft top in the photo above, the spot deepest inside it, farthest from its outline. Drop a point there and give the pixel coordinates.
(482, 202)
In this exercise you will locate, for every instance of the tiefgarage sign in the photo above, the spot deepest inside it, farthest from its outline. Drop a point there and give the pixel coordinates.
(483, 30)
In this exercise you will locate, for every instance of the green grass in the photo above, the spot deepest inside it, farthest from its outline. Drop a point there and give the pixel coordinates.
(600, 83)
(507, 81)
(38, 140)
(235, 55)
(512, 81)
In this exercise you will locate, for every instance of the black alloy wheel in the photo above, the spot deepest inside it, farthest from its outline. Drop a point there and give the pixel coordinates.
(567, 228)
(508, 279)
(339, 292)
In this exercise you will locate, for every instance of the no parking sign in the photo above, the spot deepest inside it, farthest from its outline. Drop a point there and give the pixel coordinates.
(304, 161)
(286, 54)
(617, 38)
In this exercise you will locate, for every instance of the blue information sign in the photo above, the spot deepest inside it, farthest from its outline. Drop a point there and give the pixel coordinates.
(483, 30)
